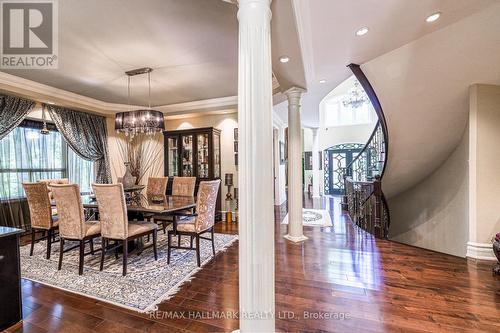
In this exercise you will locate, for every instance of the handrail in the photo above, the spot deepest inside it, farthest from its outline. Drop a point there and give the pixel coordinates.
(370, 92)
(365, 147)
(369, 210)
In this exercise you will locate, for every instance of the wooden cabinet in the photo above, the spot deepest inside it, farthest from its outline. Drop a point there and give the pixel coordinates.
(193, 153)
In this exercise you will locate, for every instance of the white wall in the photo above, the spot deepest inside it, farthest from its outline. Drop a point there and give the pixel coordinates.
(226, 123)
(280, 169)
(434, 213)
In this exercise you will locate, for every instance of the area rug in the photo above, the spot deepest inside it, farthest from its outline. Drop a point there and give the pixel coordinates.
(313, 218)
(148, 282)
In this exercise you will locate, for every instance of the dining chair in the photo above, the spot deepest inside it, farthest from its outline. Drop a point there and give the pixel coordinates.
(41, 216)
(200, 223)
(115, 224)
(183, 186)
(48, 183)
(72, 224)
(156, 187)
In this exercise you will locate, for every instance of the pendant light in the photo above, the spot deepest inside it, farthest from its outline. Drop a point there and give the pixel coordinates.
(44, 129)
(146, 121)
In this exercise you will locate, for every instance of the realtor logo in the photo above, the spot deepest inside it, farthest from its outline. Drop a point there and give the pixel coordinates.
(29, 34)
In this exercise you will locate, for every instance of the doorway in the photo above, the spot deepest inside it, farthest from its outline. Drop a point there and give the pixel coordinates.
(336, 159)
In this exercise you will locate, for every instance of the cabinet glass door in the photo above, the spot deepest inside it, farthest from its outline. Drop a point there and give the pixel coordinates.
(187, 155)
(216, 156)
(203, 155)
(173, 157)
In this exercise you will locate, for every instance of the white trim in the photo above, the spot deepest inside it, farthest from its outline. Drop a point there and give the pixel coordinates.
(301, 12)
(481, 251)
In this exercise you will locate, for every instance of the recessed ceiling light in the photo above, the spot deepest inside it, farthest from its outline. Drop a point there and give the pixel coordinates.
(322, 81)
(433, 17)
(51, 103)
(362, 31)
(284, 59)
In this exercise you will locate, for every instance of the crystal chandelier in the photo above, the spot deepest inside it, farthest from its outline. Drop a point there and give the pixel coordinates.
(146, 121)
(357, 96)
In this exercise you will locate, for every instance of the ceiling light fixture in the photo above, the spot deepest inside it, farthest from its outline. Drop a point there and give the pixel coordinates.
(145, 121)
(284, 59)
(322, 81)
(434, 17)
(362, 31)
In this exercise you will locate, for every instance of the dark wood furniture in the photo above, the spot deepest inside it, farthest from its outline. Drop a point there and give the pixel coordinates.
(193, 153)
(10, 278)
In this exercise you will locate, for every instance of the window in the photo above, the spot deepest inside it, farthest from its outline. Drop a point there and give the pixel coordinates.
(28, 156)
(347, 105)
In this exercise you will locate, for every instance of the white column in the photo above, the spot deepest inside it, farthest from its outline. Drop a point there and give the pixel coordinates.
(295, 228)
(256, 209)
(315, 162)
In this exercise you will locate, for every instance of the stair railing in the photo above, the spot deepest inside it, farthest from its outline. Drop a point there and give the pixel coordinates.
(363, 197)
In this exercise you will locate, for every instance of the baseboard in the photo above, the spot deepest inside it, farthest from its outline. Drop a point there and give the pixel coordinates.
(481, 251)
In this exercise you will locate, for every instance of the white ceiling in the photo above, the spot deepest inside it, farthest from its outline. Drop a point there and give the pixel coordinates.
(328, 41)
(192, 46)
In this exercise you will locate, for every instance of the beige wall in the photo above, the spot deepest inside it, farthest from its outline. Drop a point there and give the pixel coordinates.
(116, 158)
(226, 123)
(484, 173)
(434, 213)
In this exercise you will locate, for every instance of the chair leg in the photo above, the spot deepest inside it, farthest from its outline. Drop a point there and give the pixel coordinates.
(198, 250)
(191, 241)
(103, 252)
(164, 225)
(125, 255)
(91, 243)
(168, 247)
(49, 243)
(178, 240)
(61, 251)
(213, 240)
(155, 235)
(33, 232)
(116, 249)
(82, 253)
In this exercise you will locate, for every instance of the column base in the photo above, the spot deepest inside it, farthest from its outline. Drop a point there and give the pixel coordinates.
(296, 239)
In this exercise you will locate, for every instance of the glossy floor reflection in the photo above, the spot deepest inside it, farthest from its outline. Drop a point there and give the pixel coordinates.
(340, 280)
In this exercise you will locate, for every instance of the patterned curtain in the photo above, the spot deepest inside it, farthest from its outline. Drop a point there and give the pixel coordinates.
(12, 112)
(86, 134)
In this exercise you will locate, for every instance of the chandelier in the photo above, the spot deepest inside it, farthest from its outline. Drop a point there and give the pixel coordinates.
(146, 121)
(357, 96)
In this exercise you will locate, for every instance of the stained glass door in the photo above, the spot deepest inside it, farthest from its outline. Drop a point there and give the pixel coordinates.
(336, 159)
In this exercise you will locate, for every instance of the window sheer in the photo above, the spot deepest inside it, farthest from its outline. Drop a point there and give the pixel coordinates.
(28, 156)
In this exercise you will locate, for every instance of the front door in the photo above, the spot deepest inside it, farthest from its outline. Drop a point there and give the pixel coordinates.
(337, 158)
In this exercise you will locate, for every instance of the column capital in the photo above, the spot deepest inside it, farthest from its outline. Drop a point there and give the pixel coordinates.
(295, 92)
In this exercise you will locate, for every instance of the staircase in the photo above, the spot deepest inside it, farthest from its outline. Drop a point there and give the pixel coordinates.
(363, 197)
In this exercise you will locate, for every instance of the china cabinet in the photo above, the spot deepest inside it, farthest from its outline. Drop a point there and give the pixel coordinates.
(193, 152)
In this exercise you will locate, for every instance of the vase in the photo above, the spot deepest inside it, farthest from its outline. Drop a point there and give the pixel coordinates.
(128, 179)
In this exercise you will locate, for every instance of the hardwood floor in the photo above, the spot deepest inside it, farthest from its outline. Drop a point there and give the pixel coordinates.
(372, 285)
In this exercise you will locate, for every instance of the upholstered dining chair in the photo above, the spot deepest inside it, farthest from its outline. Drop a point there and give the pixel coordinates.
(41, 216)
(156, 187)
(72, 224)
(48, 183)
(200, 223)
(183, 186)
(115, 224)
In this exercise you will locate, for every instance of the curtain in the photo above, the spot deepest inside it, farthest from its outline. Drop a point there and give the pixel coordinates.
(26, 156)
(12, 112)
(86, 134)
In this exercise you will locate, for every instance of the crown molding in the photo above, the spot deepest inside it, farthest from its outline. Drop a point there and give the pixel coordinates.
(47, 94)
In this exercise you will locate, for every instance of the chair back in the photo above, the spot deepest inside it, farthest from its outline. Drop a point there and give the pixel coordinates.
(70, 210)
(205, 206)
(39, 205)
(184, 186)
(112, 210)
(157, 187)
(50, 182)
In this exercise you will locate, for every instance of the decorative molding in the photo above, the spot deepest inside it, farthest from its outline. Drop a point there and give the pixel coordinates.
(47, 94)
(296, 239)
(481, 251)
